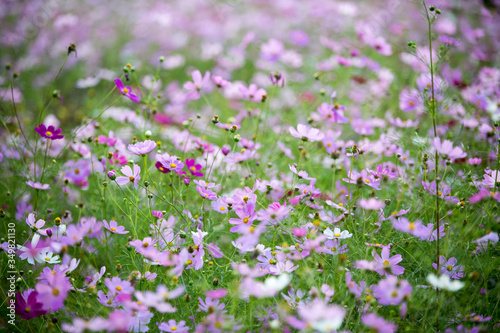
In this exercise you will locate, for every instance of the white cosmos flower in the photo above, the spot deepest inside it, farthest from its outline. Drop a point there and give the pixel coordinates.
(336, 233)
(48, 258)
(444, 282)
(277, 283)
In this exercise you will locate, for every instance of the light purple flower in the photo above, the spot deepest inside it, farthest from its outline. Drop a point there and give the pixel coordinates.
(378, 323)
(391, 291)
(371, 203)
(37, 185)
(196, 86)
(131, 176)
(306, 133)
(114, 228)
(446, 149)
(142, 148)
(173, 326)
(387, 265)
(450, 268)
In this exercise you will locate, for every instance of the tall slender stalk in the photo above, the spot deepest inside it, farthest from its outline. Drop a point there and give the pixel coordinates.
(433, 106)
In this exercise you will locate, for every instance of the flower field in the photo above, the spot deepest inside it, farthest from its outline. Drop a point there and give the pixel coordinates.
(250, 166)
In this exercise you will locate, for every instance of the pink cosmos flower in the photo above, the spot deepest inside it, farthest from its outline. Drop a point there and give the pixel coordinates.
(49, 132)
(363, 177)
(114, 228)
(53, 293)
(142, 148)
(131, 176)
(206, 193)
(197, 85)
(446, 149)
(378, 324)
(173, 326)
(386, 265)
(220, 82)
(37, 185)
(126, 90)
(216, 293)
(489, 179)
(371, 203)
(117, 286)
(210, 305)
(252, 93)
(391, 290)
(306, 133)
(450, 268)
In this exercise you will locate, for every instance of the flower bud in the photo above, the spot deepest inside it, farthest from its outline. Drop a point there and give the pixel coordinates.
(112, 175)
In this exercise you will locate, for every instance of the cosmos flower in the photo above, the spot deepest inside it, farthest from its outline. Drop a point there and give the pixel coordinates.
(446, 149)
(37, 185)
(306, 133)
(142, 148)
(126, 91)
(131, 176)
(49, 132)
(114, 227)
(194, 88)
(444, 282)
(337, 234)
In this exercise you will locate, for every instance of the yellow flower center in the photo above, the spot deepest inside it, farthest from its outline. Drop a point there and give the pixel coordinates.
(161, 168)
(77, 171)
(367, 180)
(449, 268)
(173, 328)
(412, 226)
(113, 229)
(329, 144)
(394, 294)
(333, 249)
(28, 310)
(245, 220)
(118, 288)
(245, 198)
(336, 235)
(173, 165)
(222, 208)
(109, 302)
(48, 133)
(193, 168)
(341, 204)
(386, 263)
(125, 90)
(55, 292)
(251, 230)
(131, 178)
(368, 297)
(440, 194)
(189, 262)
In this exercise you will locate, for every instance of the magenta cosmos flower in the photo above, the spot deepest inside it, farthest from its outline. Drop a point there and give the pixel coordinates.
(27, 306)
(142, 148)
(114, 227)
(49, 132)
(131, 176)
(306, 133)
(194, 168)
(127, 91)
